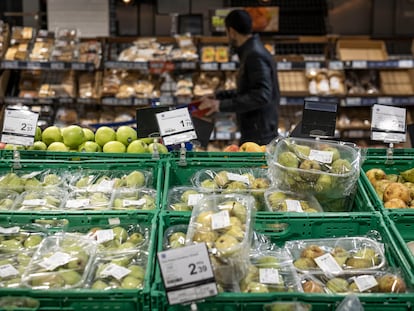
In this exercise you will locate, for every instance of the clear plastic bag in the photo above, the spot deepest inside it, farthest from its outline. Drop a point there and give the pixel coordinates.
(183, 198)
(287, 201)
(134, 199)
(41, 200)
(174, 236)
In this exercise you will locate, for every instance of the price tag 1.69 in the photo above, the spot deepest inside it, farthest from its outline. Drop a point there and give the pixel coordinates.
(19, 127)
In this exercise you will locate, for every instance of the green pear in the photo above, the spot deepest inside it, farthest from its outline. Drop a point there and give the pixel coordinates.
(52, 201)
(341, 166)
(256, 287)
(23, 259)
(6, 204)
(324, 183)
(78, 261)
(70, 277)
(32, 241)
(221, 179)
(135, 179)
(11, 245)
(120, 234)
(135, 238)
(137, 272)
(288, 159)
(268, 262)
(208, 184)
(335, 152)
(186, 195)
(130, 282)
(126, 246)
(50, 280)
(337, 285)
(149, 202)
(123, 262)
(408, 175)
(51, 179)
(84, 182)
(32, 183)
(99, 285)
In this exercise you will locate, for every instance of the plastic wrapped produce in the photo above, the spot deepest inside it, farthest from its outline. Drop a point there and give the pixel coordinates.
(41, 200)
(174, 236)
(183, 198)
(286, 201)
(134, 199)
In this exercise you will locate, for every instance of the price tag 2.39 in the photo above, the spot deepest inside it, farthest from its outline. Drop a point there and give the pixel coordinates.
(19, 127)
(187, 273)
(176, 126)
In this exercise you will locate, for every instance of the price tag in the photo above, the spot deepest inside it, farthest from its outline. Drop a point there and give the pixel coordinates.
(10, 64)
(57, 66)
(353, 101)
(139, 202)
(365, 282)
(188, 65)
(34, 202)
(294, 206)
(336, 65)
(78, 66)
(114, 221)
(33, 65)
(11, 230)
(269, 276)
(19, 127)
(284, 66)
(7, 271)
(77, 203)
(321, 156)
(385, 100)
(193, 199)
(228, 66)
(328, 264)
(103, 236)
(176, 126)
(187, 273)
(220, 220)
(209, 66)
(118, 272)
(313, 65)
(405, 63)
(56, 260)
(359, 64)
(238, 177)
(388, 123)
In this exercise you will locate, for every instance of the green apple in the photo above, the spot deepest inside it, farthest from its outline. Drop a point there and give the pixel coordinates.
(99, 285)
(126, 134)
(114, 147)
(137, 146)
(104, 134)
(89, 135)
(13, 147)
(38, 134)
(89, 146)
(52, 134)
(32, 241)
(70, 277)
(137, 272)
(57, 146)
(73, 136)
(120, 234)
(161, 148)
(129, 282)
(38, 145)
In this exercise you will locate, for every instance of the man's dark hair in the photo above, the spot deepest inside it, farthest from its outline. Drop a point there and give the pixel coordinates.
(240, 21)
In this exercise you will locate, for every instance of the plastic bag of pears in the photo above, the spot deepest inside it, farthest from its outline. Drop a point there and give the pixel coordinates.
(41, 200)
(328, 170)
(287, 201)
(183, 198)
(134, 199)
(174, 236)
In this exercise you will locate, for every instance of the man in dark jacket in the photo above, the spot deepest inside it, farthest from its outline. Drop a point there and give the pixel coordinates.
(256, 100)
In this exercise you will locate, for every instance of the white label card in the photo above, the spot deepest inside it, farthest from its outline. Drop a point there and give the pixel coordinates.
(139, 202)
(118, 272)
(19, 127)
(220, 220)
(387, 118)
(321, 156)
(185, 265)
(328, 264)
(192, 294)
(294, 206)
(269, 276)
(238, 177)
(77, 203)
(365, 282)
(176, 126)
(103, 236)
(7, 271)
(34, 202)
(10, 230)
(56, 260)
(104, 186)
(193, 199)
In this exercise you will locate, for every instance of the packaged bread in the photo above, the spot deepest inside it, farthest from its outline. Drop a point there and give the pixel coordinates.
(222, 54)
(208, 54)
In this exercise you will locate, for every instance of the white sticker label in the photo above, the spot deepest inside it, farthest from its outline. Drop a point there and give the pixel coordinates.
(30, 175)
(139, 202)
(7, 271)
(10, 230)
(406, 63)
(118, 272)
(103, 186)
(386, 118)
(34, 202)
(56, 260)
(193, 199)
(365, 282)
(321, 156)
(220, 220)
(328, 264)
(114, 221)
(19, 127)
(269, 276)
(238, 177)
(294, 206)
(103, 236)
(77, 203)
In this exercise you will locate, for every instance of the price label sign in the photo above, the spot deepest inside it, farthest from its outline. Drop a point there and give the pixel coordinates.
(176, 126)
(187, 274)
(19, 127)
(388, 124)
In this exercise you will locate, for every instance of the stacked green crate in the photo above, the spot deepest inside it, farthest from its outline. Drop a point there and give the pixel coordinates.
(85, 298)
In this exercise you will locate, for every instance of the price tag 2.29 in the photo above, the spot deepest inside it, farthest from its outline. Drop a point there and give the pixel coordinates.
(19, 127)
(176, 126)
(187, 273)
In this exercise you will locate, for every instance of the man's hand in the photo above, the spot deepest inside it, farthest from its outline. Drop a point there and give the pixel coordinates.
(212, 105)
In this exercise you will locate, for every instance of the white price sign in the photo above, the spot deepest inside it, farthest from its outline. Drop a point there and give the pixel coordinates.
(388, 123)
(328, 264)
(365, 282)
(19, 127)
(187, 273)
(176, 126)
(294, 206)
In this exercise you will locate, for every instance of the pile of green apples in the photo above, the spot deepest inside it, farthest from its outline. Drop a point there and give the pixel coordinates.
(182, 198)
(61, 261)
(278, 201)
(31, 181)
(117, 272)
(105, 139)
(130, 199)
(40, 200)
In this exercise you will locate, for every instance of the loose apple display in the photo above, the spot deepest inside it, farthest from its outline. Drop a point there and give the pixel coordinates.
(286, 201)
(61, 261)
(350, 253)
(224, 222)
(394, 190)
(174, 236)
(183, 198)
(118, 272)
(325, 169)
(134, 199)
(40, 200)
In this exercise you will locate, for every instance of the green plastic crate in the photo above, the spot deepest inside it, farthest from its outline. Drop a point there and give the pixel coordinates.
(281, 229)
(395, 167)
(153, 166)
(382, 152)
(258, 156)
(85, 299)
